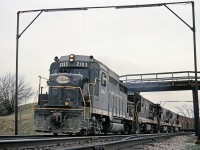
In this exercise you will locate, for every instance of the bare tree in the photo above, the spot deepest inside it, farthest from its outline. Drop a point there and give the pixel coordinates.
(186, 110)
(7, 92)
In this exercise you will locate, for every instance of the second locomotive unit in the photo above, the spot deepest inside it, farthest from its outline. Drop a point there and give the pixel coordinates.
(86, 97)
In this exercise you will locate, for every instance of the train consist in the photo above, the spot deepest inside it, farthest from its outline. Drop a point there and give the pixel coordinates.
(86, 97)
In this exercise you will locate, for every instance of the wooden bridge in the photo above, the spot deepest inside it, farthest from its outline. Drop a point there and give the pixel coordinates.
(166, 81)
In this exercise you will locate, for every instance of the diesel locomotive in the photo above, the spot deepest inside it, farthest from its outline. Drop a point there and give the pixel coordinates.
(86, 97)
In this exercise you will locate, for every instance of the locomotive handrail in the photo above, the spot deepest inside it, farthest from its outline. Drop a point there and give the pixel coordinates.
(134, 113)
(159, 77)
(91, 108)
(74, 87)
(94, 84)
(177, 72)
(162, 79)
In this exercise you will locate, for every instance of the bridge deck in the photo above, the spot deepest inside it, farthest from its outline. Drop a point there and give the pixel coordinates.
(166, 81)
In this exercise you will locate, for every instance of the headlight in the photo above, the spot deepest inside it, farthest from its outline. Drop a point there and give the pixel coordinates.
(66, 103)
(71, 58)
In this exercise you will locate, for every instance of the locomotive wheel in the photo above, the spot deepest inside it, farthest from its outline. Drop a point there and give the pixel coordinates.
(93, 131)
(127, 128)
(105, 132)
(55, 133)
(105, 129)
(82, 132)
(137, 131)
(106, 126)
(70, 134)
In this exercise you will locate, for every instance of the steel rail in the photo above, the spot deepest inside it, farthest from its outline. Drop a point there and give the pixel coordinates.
(8, 137)
(128, 142)
(108, 142)
(30, 142)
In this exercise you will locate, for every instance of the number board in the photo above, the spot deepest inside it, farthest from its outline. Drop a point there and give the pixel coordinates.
(75, 64)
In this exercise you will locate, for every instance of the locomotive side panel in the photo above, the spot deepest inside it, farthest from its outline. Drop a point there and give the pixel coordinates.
(100, 102)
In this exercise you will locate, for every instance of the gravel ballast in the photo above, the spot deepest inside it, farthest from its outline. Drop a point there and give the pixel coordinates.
(174, 143)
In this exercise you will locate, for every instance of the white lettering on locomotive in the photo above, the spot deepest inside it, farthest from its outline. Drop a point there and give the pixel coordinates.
(77, 64)
(63, 64)
(81, 64)
(103, 92)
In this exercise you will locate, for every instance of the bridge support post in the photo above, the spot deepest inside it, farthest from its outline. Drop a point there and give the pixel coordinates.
(195, 95)
(196, 110)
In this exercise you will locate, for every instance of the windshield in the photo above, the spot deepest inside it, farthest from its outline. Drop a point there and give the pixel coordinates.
(59, 96)
(73, 70)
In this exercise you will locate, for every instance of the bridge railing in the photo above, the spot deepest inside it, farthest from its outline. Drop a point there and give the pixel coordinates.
(160, 77)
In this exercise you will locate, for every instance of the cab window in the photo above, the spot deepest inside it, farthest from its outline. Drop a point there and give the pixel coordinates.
(94, 76)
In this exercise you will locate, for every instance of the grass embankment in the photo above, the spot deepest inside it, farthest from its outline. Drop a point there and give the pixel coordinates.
(25, 121)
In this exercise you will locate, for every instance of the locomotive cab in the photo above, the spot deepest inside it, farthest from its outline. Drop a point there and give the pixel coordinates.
(74, 84)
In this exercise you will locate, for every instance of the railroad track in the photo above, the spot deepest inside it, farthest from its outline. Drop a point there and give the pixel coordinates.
(81, 143)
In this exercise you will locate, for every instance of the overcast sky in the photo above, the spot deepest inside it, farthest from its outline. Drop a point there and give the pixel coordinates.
(129, 41)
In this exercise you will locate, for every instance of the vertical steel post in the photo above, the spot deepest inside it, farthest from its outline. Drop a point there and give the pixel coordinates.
(196, 100)
(194, 107)
(16, 87)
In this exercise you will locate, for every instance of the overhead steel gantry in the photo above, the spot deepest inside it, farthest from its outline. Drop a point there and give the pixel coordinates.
(40, 11)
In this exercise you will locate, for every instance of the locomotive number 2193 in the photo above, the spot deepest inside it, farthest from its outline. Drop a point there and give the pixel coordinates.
(81, 64)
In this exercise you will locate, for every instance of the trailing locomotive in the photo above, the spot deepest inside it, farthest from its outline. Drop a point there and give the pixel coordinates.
(86, 97)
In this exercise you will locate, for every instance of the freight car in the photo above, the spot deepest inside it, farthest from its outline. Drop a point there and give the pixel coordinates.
(150, 117)
(86, 97)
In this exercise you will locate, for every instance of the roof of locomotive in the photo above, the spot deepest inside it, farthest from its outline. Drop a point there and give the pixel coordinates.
(86, 59)
(90, 58)
(77, 58)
